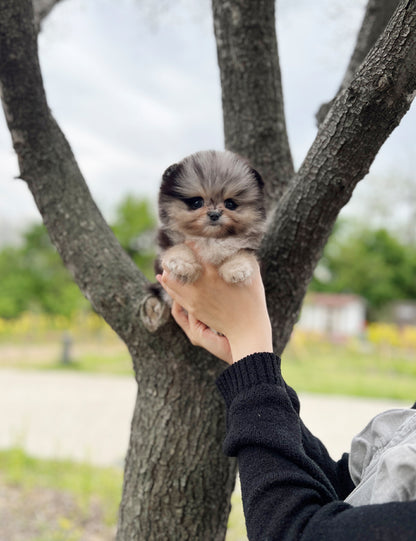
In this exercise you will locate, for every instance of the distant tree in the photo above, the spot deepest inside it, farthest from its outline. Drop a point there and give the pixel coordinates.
(135, 228)
(177, 483)
(370, 263)
(16, 286)
(33, 277)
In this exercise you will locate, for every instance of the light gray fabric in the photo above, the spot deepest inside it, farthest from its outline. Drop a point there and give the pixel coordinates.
(382, 461)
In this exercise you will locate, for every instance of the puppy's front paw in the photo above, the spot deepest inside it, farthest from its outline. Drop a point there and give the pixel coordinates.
(181, 263)
(183, 270)
(237, 269)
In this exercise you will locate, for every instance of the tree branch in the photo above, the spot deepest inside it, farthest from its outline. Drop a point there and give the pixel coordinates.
(360, 120)
(252, 96)
(103, 271)
(376, 17)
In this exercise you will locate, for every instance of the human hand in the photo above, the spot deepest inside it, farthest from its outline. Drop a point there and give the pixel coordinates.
(238, 311)
(201, 335)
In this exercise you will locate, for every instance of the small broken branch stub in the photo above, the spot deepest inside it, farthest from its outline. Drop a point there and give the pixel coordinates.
(153, 313)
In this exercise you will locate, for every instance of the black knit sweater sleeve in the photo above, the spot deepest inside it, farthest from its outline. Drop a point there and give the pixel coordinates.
(290, 486)
(337, 472)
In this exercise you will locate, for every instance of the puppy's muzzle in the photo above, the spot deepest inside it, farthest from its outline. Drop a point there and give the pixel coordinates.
(214, 215)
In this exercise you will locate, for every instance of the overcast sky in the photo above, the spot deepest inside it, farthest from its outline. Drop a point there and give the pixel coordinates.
(134, 85)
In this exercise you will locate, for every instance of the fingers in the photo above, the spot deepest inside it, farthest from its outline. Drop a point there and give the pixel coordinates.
(174, 289)
(191, 326)
(201, 335)
(180, 316)
(182, 319)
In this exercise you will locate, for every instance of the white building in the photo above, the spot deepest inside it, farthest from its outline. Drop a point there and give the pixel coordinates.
(337, 315)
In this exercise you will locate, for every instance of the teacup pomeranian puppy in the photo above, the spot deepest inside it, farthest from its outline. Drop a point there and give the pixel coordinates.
(215, 200)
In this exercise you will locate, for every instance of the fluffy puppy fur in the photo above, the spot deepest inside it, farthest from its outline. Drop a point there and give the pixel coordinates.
(214, 199)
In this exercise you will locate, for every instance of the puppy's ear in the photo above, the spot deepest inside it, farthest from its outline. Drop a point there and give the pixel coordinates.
(170, 180)
(171, 172)
(257, 177)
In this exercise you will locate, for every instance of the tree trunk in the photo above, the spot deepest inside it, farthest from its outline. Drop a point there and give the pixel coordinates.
(359, 122)
(177, 484)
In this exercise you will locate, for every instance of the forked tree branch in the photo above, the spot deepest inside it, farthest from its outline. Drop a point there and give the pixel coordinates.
(360, 120)
(103, 271)
(376, 17)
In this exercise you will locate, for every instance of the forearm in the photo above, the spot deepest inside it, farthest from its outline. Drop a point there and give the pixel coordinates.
(336, 471)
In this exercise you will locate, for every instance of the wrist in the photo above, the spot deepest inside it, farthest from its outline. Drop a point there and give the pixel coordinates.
(255, 342)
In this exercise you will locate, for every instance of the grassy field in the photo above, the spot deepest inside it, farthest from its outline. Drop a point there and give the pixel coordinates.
(355, 368)
(52, 500)
(97, 356)
(320, 368)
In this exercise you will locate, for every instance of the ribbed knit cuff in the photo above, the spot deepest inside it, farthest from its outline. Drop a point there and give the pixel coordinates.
(251, 370)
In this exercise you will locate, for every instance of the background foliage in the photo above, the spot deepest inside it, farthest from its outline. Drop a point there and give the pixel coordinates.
(370, 262)
(373, 262)
(34, 279)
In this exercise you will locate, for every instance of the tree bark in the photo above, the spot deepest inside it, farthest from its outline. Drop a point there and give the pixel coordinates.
(376, 17)
(177, 481)
(252, 96)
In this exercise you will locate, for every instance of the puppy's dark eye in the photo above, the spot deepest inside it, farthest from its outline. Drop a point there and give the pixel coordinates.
(230, 204)
(194, 203)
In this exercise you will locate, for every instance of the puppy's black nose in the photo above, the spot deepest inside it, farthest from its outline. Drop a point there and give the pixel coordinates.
(214, 215)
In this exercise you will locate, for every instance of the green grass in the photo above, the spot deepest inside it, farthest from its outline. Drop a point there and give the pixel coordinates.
(351, 370)
(116, 363)
(93, 356)
(236, 524)
(86, 483)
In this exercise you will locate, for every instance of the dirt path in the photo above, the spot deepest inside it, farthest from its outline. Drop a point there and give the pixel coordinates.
(67, 415)
(87, 416)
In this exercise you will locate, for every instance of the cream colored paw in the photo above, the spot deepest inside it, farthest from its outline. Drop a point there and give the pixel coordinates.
(183, 271)
(237, 269)
(181, 263)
